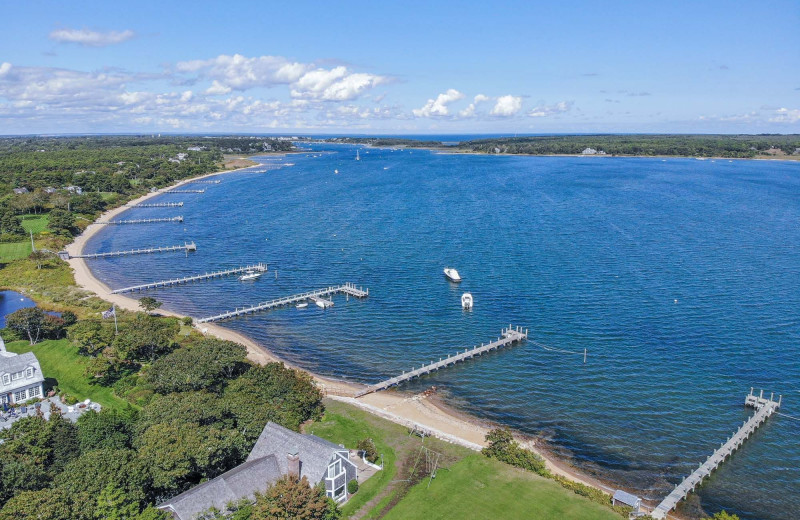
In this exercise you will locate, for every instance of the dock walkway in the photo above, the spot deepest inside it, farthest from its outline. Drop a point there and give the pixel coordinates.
(185, 191)
(509, 336)
(348, 288)
(156, 205)
(140, 221)
(765, 408)
(195, 278)
(185, 247)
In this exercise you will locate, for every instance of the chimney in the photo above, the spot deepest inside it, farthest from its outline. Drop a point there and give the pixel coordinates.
(293, 461)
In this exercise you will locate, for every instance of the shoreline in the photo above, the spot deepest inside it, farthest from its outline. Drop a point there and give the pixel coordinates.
(410, 410)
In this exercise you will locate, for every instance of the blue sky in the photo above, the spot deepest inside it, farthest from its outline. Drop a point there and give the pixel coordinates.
(400, 67)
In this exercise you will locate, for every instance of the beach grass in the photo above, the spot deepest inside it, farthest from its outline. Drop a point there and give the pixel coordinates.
(481, 488)
(35, 223)
(14, 250)
(61, 362)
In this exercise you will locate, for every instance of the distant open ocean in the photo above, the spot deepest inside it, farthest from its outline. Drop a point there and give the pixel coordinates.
(680, 277)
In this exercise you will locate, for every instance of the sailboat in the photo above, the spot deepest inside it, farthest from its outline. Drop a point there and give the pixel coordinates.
(358, 157)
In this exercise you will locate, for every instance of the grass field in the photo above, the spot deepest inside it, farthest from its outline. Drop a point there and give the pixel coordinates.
(35, 223)
(60, 361)
(468, 485)
(480, 488)
(14, 250)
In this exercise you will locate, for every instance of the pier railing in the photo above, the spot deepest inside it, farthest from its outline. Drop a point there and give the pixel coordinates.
(195, 278)
(156, 205)
(509, 336)
(186, 247)
(348, 288)
(141, 221)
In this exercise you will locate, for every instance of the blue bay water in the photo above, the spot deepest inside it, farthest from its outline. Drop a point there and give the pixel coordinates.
(680, 277)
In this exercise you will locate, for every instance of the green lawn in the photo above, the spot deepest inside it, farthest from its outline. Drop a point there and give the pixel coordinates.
(481, 488)
(14, 250)
(60, 361)
(468, 485)
(35, 223)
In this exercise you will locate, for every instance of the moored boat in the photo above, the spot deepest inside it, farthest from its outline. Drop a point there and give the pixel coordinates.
(452, 274)
(466, 301)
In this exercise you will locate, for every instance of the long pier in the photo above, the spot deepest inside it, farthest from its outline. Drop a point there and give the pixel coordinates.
(185, 191)
(764, 408)
(156, 205)
(204, 182)
(348, 288)
(187, 279)
(509, 336)
(143, 251)
(141, 221)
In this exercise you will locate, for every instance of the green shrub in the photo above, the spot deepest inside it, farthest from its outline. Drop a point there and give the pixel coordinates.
(352, 486)
(187, 320)
(368, 447)
(503, 447)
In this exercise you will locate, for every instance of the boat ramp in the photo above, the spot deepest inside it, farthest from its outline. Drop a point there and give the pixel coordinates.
(195, 278)
(348, 289)
(508, 337)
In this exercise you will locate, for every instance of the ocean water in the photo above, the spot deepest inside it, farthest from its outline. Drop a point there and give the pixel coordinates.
(681, 279)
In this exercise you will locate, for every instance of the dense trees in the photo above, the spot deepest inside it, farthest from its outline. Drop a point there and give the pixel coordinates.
(33, 324)
(207, 364)
(149, 304)
(293, 499)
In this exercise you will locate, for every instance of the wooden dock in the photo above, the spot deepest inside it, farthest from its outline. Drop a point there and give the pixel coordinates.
(764, 408)
(185, 247)
(185, 191)
(509, 336)
(140, 221)
(204, 182)
(195, 278)
(348, 289)
(156, 205)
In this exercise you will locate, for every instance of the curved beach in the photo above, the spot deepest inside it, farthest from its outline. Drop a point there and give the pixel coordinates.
(407, 409)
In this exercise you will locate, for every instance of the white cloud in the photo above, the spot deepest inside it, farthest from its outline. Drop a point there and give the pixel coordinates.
(470, 110)
(241, 73)
(785, 115)
(217, 88)
(91, 38)
(549, 110)
(438, 106)
(4, 68)
(507, 106)
(337, 84)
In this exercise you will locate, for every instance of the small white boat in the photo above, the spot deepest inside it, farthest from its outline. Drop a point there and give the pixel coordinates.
(466, 301)
(358, 157)
(336, 171)
(302, 305)
(452, 274)
(250, 275)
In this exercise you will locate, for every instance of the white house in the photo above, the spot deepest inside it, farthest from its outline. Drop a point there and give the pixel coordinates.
(20, 376)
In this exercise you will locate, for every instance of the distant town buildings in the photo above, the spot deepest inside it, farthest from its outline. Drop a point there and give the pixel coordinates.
(74, 189)
(592, 151)
(20, 191)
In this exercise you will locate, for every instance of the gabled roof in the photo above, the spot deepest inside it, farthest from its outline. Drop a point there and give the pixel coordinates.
(240, 482)
(315, 453)
(627, 498)
(12, 364)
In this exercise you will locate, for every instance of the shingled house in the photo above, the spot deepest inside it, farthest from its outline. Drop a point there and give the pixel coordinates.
(277, 452)
(20, 377)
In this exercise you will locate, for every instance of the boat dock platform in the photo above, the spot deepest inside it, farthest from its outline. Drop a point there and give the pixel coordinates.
(185, 247)
(195, 278)
(185, 191)
(204, 182)
(764, 408)
(509, 336)
(348, 289)
(156, 205)
(141, 221)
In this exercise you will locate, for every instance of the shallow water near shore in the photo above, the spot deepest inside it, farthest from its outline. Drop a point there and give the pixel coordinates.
(681, 278)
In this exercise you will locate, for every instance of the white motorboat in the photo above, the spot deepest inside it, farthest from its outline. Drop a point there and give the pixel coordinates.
(302, 305)
(466, 301)
(250, 275)
(452, 274)
(358, 157)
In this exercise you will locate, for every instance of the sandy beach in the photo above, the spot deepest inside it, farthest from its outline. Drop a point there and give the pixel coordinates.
(406, 409)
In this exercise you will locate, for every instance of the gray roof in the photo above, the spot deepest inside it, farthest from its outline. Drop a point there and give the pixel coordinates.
(12, 364)
(627, 498)
(240, 482)
(315, 453)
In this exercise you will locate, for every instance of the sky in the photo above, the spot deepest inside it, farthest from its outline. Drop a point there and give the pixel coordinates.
(466, 67)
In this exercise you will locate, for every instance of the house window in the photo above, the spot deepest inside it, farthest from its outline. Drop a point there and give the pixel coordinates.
(35, 391)
(19, 396)
(17, 375)
(334, 469)
(339, 492)
(29, 372)
(6, 379)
